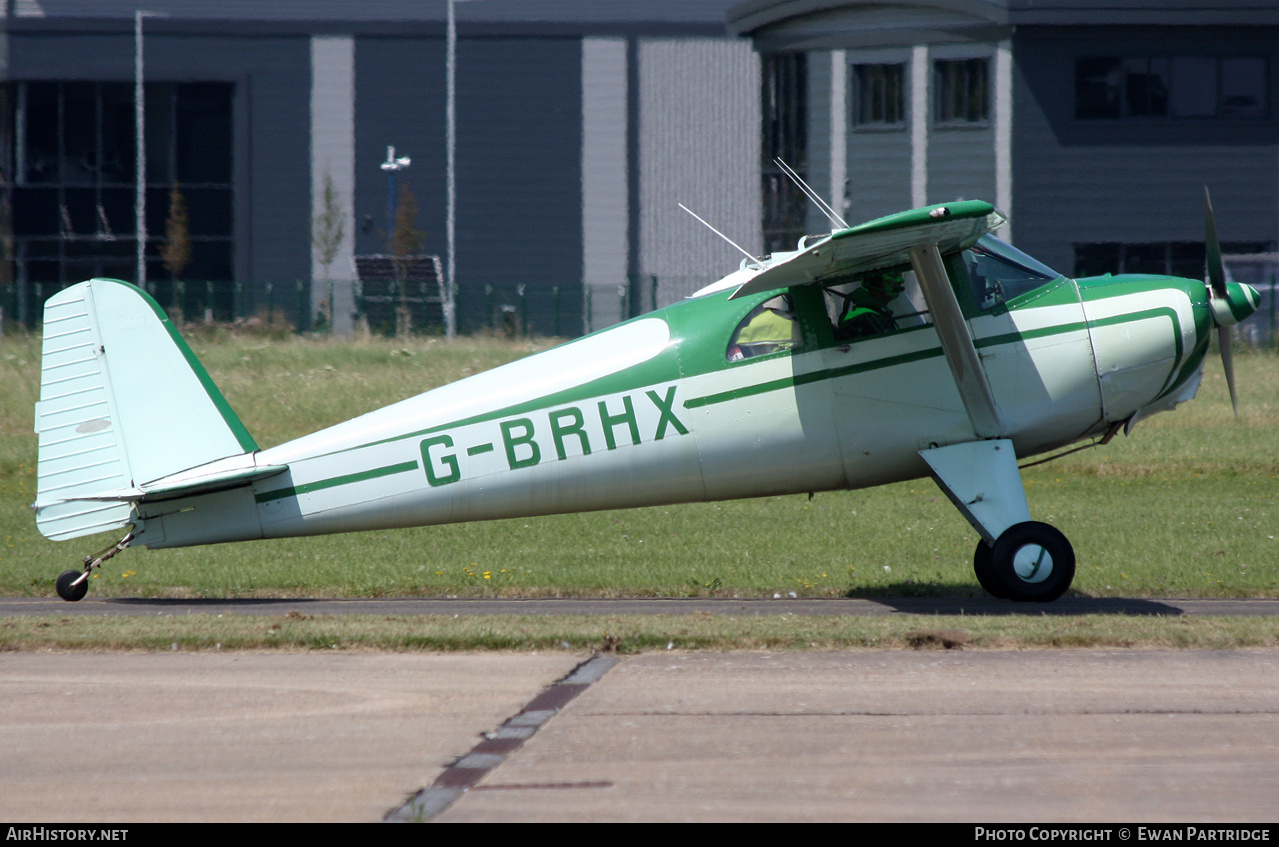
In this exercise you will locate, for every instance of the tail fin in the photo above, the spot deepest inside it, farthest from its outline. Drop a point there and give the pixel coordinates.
(123, 402)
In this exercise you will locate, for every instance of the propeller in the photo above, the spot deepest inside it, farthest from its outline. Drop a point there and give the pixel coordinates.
(1229, 302)
(1217, 281)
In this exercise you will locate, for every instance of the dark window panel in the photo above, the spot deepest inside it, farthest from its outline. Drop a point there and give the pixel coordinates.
(39, 248)
(118, 210)
(79, 212)
(157, 211)
(210, 260)
(1145, 258)
(209, 211)
(785, 122)
(1096, 259)
(1243, 88)
(159, 133)
(79, 133)
(35, 212)
(1146, 87)
(962, 91)
(40, 133)
(1246, 247)
(1194, 87)
(41, 271)
(203, 132)
(1098, 85)
(119, 145)
(1186, 259)
(880, 94)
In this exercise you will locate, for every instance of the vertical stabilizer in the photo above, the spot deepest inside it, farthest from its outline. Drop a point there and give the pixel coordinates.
(123, 401)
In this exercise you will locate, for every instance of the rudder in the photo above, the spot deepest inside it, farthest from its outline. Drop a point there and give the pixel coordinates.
(123, 401)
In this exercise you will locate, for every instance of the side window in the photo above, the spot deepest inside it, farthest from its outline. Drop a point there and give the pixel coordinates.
(771, 327)
(876, 303)
(998, 272)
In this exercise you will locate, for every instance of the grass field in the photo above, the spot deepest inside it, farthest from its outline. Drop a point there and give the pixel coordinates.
(1185, 507)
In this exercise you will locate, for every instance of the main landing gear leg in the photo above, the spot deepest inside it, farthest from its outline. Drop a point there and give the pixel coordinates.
(1017, 558)
(73, 585)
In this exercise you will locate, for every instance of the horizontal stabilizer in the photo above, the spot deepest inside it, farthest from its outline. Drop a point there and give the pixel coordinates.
(123, 403)
(881, 243)
(215, 476)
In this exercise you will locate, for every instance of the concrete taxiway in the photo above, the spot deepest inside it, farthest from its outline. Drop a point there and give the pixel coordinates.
(884, 736)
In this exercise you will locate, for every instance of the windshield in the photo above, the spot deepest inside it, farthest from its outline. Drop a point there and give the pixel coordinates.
(1000, 272)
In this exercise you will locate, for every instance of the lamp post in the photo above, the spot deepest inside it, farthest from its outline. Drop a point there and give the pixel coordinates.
(392, 166)
(449, 293)
(140, 147)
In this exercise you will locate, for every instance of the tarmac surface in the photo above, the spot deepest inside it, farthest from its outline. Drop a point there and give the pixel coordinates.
(1030, 736)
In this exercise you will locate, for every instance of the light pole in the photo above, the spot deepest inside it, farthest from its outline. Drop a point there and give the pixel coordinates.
(449, 297)
(392, 166)
(140, 148)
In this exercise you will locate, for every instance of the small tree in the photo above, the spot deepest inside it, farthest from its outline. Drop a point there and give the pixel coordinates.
(407, 242)
(176, 250)
(328, 232)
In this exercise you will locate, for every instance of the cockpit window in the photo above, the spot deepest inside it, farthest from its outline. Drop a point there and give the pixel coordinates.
(999, 272)
(770, 327)
(876, 303)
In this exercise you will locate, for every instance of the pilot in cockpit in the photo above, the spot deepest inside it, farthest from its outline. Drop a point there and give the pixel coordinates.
(867, 311)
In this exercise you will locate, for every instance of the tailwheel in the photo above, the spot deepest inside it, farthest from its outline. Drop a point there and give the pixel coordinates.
(71, 590)
(73, 585)
(1032, 562)
(983, 567)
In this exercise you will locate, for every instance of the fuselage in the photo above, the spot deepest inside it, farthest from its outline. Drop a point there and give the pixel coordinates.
(658, 410)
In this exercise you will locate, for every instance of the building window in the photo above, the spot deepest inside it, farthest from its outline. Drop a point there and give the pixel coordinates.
(73, 160)
(1113, 88)
(880, 98)
(1174, 258)
(785, 137)
(962, 91)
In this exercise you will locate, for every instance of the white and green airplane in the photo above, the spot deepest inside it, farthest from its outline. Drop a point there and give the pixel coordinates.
(913, 345)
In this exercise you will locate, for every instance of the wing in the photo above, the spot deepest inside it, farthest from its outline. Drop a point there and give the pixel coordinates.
(880, 243)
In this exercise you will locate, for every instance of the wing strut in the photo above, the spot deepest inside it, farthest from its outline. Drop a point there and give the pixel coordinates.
(956, 341)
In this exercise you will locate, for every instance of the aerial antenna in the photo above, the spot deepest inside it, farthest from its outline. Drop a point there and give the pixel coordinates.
(811, 194)
(720, 234)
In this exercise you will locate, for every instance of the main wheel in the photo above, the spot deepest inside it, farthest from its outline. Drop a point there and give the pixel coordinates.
(1033, 562)
(985, 571)
(69, 592)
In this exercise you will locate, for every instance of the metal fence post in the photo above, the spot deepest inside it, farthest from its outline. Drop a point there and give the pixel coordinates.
(1271, 310)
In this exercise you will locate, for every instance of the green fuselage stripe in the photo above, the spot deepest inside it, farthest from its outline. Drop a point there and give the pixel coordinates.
(375, 473)
(733, 394)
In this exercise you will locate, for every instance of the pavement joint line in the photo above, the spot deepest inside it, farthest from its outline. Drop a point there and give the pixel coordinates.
(466, 772)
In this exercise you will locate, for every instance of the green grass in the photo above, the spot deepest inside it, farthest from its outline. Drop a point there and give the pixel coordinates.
(631, 633)
(1185, 507)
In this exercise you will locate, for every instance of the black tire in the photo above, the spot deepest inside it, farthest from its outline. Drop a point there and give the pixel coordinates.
(69, 592)
(1035, 586)
(985, 571)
